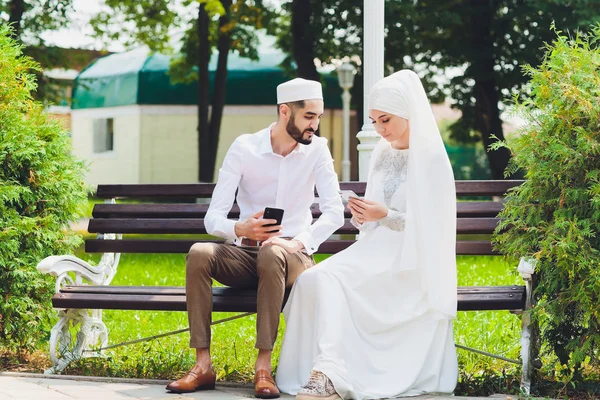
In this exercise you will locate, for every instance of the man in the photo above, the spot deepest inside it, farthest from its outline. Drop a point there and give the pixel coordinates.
(277, 167)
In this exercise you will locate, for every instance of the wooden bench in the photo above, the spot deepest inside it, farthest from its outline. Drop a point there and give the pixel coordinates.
(160, 212)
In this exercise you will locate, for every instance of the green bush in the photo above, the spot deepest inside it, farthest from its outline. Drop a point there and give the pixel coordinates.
(555, 215)
(41, 190)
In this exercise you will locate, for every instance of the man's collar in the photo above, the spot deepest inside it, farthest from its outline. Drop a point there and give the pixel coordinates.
(265, 143)
(265, 140)
(300, 148)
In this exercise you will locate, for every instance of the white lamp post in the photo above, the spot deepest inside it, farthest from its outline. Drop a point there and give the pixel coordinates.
(346, 78)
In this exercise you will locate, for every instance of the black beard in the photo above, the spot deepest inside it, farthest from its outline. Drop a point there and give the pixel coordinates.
(296, 133)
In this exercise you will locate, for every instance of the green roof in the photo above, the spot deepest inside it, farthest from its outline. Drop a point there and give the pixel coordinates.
(141, 77)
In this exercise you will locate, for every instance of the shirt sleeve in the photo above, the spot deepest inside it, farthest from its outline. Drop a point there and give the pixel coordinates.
(216, 221)
(330, 203)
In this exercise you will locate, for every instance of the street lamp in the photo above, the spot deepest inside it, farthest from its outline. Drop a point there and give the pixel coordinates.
(346, 73)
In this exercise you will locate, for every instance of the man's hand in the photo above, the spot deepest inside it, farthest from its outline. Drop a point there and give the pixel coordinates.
(291, 246)
(254, 228)
(366, 210)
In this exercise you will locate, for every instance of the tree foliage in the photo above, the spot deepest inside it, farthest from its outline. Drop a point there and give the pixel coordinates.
(327, 30)
(555, 215)
(30, 20)
(41, 190)
(490, 40)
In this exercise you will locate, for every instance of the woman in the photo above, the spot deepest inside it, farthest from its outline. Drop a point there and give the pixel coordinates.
(375, 320)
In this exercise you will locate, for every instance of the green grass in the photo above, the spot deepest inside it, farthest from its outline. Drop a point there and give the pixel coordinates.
(496, 332)
(233, 342)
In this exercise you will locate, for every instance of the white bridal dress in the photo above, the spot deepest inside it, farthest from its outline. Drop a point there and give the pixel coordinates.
(363, 320)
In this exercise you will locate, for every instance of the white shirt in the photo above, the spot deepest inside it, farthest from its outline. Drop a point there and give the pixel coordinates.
(263, 178)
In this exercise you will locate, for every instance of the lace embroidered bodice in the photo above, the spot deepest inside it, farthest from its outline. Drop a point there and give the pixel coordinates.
(388, 186)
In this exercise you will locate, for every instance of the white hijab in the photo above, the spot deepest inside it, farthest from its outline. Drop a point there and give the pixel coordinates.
(430, 232)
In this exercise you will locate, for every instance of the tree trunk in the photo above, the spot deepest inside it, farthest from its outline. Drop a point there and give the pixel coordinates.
(205, 156)
(16, 9)
(303, 40)
(488, 122)
(487, 114)
(220, 85)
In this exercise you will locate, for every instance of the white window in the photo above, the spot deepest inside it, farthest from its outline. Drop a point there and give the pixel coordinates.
(103, 135)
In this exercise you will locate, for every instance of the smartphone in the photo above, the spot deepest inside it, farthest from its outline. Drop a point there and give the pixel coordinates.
(348, 194)
(273, 213)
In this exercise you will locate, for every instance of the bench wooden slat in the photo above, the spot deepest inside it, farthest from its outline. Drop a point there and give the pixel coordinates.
(204, 190)
(237, 292)
(178, 210)
(464, 209)
(183, 245)
(166, 226)
(196, 225)
(151, 210)
(146, 302)
(156, 290)
(147, 225)
(476, 225)
(192, 190)
(485, 187)
(244, 300)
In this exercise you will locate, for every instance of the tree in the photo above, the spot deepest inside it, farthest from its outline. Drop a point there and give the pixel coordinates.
(303, 39)
(42, 189)
(29, 20)
(224, 25)
(489, 39)
(554, 217)
(333, 28)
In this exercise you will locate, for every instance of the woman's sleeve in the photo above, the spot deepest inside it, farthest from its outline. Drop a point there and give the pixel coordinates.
(395, 220)
(364, 227)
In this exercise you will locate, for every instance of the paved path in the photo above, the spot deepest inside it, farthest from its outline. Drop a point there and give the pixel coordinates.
(40, 387)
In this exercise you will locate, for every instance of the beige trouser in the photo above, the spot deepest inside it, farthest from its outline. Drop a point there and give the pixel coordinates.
(270, 268)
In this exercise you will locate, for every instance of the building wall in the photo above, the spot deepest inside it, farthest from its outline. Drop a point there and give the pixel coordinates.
(168, 144)
(332, 125)
(121, 165)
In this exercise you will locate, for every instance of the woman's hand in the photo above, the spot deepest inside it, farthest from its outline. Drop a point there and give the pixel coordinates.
(366, 210)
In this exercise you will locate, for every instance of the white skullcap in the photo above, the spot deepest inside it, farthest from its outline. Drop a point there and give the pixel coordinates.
(390, 94)
(299, 89)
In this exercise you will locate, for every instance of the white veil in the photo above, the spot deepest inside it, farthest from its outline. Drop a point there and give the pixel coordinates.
(430, 232)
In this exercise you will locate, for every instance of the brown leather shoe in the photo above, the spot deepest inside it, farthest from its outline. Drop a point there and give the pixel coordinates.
(264, 385)
(194, 380)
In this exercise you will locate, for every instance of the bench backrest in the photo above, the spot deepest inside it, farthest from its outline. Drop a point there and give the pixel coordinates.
(174, 214)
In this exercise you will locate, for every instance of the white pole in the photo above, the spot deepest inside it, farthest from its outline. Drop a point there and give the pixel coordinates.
(346, 96)
(373, 45)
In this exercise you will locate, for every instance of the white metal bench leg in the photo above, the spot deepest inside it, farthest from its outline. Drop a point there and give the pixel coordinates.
(74, 335)
(78, 330)
(528, 341)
